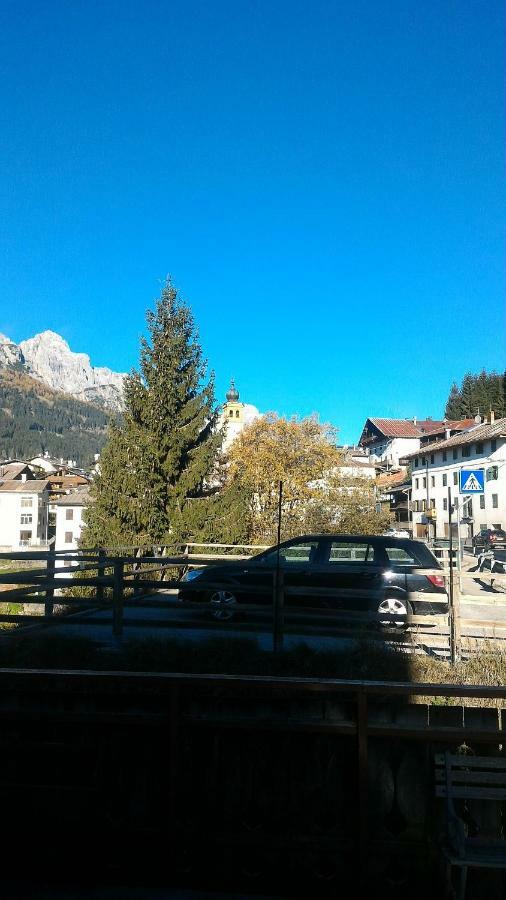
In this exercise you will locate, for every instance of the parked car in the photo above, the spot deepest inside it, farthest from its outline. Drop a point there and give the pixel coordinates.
(368, 573)
(489, 539)
(396, 532)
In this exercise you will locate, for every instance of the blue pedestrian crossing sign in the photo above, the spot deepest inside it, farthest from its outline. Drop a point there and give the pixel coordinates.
(472, 481)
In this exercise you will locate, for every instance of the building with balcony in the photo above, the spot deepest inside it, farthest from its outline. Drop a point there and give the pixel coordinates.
(436, 472)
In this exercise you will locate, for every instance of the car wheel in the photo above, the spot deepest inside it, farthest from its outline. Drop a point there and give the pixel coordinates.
(395, 606)
(223, 604)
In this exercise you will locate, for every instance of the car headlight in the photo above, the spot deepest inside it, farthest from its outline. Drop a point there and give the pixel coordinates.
(191, 574)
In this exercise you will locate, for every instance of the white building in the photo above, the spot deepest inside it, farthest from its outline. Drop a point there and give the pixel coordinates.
(69, 518)
(235, 415)
(23, 513)
(387, 441)
(435, 469)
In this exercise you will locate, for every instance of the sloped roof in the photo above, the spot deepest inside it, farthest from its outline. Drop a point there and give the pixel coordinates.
(14, 470)
(405, 427)
(478, 433)
(79, 497)
(24, 487)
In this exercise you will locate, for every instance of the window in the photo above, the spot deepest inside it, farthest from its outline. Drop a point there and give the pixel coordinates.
(26, 502)
(445, 503)
(444, 455)
(424, 505)
(482, 501)
(25, 538)
(466, 450)
(479, 447)
(455, 477)
(416, 462)
(400, 556)
(424, 483)
(423, 460)
(432, 457)
(469, 510)
(416, 482)
(69, 514)
(68, 537)
(455, 453)
(432, 503)
(348, 552)
(493, 445)
(26, 519)
(231, 413)
(445, 480)
(433, 481)
(492, 473)
(237, 413)
(296, 552)
(483, 527)
(497, 525)
(495, 501)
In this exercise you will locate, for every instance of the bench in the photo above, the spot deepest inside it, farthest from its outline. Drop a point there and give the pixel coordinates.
(465, 779)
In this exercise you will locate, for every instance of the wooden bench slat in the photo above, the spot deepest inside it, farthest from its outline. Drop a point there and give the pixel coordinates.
(461, 792)
(459, 777)
(471, 762)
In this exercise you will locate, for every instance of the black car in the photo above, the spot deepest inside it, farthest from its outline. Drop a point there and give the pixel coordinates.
(489, 539)
(325, 572)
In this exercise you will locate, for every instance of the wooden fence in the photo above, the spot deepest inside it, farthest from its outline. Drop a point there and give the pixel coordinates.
(133, 581)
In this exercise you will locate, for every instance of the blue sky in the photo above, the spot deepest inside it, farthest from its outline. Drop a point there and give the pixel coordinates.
(323, 180)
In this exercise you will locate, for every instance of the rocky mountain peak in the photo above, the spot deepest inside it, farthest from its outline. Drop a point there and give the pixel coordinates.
(48, 357)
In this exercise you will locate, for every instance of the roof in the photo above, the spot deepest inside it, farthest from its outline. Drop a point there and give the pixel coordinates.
(79, 497)
(14, 469)
(24, 487)
(405, 428)
(478, 433)
(389, 479)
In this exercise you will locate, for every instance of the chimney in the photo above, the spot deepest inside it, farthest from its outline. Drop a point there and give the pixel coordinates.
(23, 476)
(492, 416)
(447, 433)
(414, 420)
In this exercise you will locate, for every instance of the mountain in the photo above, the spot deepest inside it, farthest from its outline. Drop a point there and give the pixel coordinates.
(48, 358)
(35, 418)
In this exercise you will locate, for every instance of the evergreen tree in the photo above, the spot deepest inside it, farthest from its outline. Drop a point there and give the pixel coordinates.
(479, 393)
(156, 462)
(454, 404)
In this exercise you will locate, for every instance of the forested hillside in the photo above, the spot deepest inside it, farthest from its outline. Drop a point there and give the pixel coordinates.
(478, 394)
(33, 418)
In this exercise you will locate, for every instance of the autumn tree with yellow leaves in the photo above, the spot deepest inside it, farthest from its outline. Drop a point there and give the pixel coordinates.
(317, 496)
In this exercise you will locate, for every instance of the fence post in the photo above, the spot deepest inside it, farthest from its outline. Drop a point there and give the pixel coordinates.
(279, 617)
(50, 569)
(100, 573)
(453, 595)
(117, 599)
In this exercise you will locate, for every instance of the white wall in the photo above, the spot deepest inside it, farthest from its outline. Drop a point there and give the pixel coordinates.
(68, 530)
(391, 450)
(438, 492)
(11, 524)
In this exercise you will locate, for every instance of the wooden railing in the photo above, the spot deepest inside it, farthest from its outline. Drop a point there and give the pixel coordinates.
(132, 581)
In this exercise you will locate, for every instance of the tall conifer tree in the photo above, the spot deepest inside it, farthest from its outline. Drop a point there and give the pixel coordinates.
(157, 462)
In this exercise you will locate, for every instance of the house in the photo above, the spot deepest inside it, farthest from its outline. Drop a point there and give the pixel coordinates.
(23, 512)
(16, 470)
(386, 441)
(69, 518)
(394, 495)
(435, 472)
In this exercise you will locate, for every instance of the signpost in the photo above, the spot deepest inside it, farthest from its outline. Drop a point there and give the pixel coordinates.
(472, 481)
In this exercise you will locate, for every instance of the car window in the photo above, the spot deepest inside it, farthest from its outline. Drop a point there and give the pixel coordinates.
(399, 555)
(292, 554)
(347, 552)
(411, 553)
